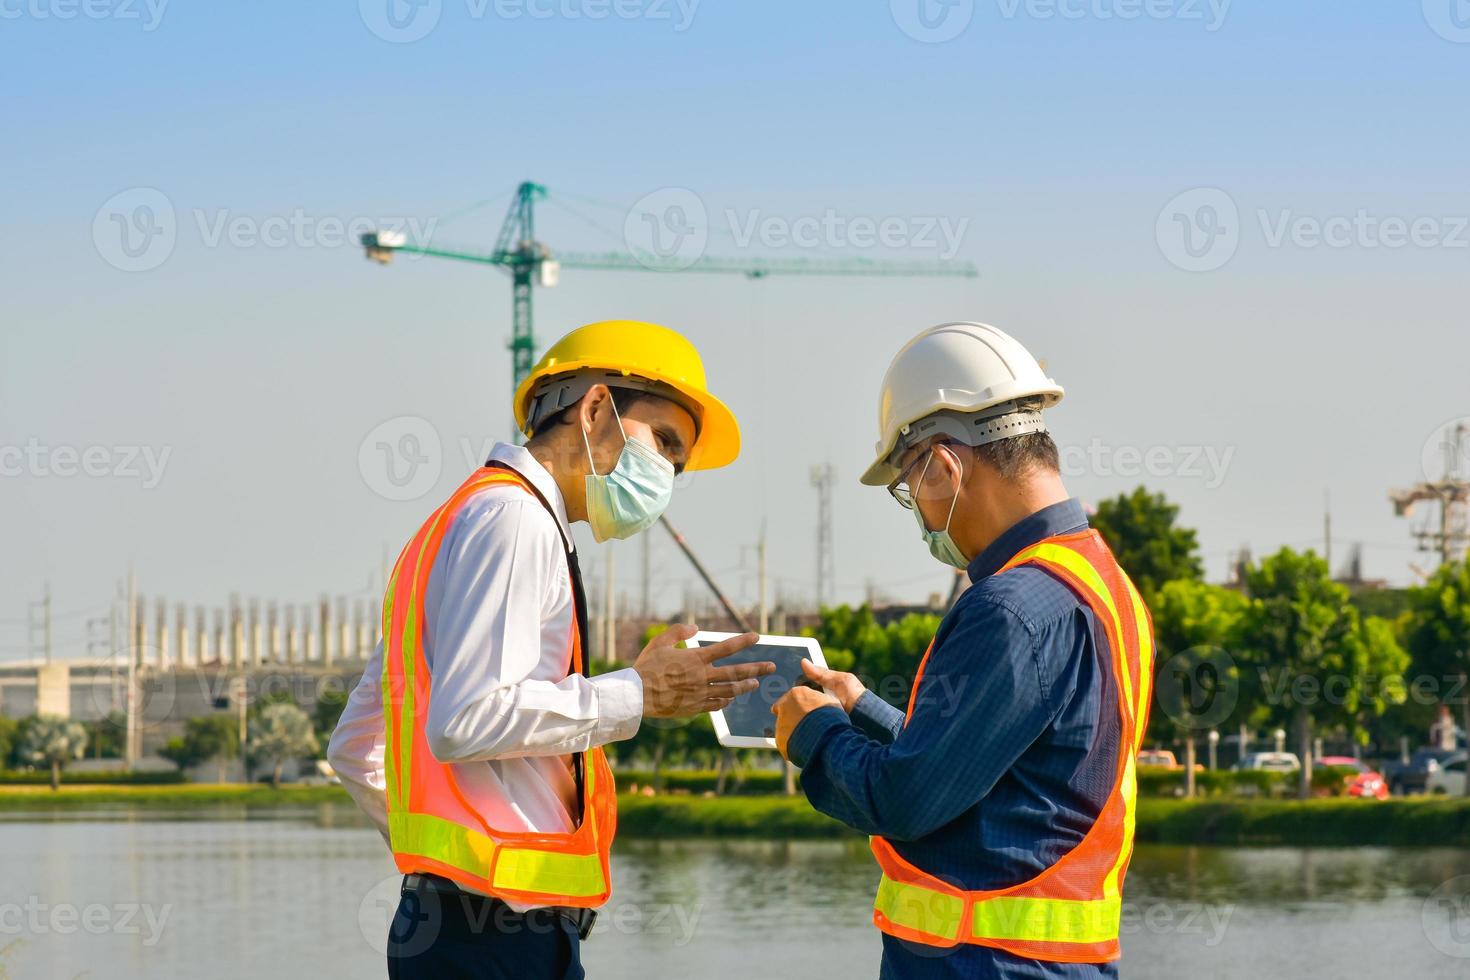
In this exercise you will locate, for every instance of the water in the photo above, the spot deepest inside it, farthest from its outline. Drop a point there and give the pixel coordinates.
(307, 893)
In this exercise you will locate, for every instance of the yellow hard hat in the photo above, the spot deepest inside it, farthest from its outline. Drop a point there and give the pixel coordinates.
(631, 354)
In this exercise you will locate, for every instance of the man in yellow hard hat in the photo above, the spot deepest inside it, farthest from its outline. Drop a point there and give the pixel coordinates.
(474, 738)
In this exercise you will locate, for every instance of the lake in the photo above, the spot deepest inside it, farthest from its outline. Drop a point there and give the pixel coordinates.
(142, 893)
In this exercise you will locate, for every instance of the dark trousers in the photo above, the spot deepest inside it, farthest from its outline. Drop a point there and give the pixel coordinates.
(469, 937)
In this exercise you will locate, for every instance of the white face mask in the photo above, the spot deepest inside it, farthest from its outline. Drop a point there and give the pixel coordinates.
(941, 545)
(634, 494)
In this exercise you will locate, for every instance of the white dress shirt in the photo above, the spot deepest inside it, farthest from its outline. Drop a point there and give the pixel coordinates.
(498, 612)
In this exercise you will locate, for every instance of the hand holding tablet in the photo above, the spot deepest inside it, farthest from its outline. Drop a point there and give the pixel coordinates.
(747, 722)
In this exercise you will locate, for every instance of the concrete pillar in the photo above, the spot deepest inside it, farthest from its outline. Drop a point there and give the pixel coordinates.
(344, 642)
(292, 650)
(257, 634)
(181, 631)
(237, 633)
(324, 629)
(160, 629)
(273, 649)
(201, 636)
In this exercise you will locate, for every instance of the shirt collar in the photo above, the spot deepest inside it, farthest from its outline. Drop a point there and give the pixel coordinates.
(1059, 518)
(519, 458)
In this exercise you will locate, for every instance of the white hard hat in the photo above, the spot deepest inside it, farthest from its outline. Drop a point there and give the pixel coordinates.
(968, 380)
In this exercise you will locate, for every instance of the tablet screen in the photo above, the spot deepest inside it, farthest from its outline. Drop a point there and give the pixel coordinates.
(749, 716)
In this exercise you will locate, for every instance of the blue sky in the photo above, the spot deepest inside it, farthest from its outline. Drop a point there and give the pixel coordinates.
(1060, 143)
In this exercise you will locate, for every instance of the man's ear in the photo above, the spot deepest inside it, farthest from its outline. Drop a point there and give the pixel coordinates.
(594, 404)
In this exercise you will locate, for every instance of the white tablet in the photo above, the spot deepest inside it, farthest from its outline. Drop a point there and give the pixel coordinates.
(748, 723)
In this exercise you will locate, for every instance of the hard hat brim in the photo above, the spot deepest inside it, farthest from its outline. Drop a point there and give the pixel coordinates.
(718, 442)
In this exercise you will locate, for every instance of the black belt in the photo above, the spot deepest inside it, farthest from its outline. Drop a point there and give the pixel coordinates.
(581, 919)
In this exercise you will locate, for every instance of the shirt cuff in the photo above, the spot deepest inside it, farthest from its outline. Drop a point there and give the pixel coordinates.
(619, 705)
(811, 731)
(876, 716)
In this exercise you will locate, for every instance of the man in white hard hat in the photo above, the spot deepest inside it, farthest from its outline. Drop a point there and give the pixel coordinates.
(1001, 802)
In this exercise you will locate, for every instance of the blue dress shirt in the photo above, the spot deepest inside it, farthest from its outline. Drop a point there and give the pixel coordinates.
(1009, 756)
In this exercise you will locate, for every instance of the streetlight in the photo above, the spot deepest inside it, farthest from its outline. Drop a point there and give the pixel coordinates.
(1214, 738)
(1280, 736)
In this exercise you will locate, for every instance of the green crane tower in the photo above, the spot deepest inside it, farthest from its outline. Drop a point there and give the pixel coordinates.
(532, 263)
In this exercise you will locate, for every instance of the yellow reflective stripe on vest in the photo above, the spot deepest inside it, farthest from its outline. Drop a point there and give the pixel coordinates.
(1004, 917)
(1083, 570)
(1048, 920)
(1145, 655)
(527, 870)
(518, 868)
(920, 909)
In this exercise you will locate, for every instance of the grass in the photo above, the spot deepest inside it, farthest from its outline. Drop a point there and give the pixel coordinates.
(1325, 822)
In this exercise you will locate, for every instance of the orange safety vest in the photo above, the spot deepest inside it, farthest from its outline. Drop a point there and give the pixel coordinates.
(432, 827)
(1070, 912)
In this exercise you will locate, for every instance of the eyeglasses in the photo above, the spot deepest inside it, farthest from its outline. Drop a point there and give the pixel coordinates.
(900, 490)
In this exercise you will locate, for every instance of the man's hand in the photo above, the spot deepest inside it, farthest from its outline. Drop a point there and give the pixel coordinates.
(795, 705)
(678, 683)
(846, 688)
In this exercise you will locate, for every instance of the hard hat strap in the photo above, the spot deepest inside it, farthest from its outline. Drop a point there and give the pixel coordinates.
(561, 391)
(972, 428)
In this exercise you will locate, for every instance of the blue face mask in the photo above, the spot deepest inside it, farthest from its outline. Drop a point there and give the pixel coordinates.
(941, 545)
(631, 497)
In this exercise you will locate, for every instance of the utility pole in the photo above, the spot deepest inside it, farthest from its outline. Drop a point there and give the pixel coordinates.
(765, 616)
(645, 606)
(39, 622)
(130, 742)
(609, 612)
(823, 477)
(1450, 493)
(1327, 530)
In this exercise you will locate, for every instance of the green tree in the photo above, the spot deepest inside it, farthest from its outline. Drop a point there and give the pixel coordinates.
(54, 741)
(1316, 661)
(8, 739)
(1437, 633)
(206, 737)
(1197, 682)
(885, 657)
(280, 732)
(328, 711)
(1139, 527)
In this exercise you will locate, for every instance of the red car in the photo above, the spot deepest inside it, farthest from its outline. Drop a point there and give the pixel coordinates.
(1363, 782)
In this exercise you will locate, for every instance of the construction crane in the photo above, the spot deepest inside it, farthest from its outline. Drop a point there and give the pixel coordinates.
(531, 263)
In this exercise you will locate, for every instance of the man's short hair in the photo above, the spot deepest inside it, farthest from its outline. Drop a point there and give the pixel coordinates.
(1019, 455)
